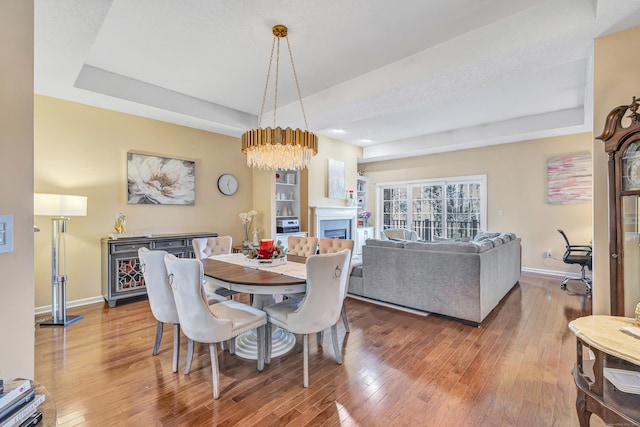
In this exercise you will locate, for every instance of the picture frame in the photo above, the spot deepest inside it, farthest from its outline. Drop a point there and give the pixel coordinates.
(335, 179)
(156, 180)
(569, 179)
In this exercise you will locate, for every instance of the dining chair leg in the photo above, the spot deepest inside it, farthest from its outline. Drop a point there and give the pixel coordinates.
(336, 345)
(305, 357)
(156, 348)
(261, 345)
(267, 340)
(214, 370)
(320, 338)
(176, 346)
(187, 368)
(232, 346)
(344, 319)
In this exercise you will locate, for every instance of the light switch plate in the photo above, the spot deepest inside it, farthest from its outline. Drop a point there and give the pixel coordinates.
(6, 233)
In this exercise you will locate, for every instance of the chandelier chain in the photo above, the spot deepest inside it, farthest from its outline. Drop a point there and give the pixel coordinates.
(295, 77)
(266, 85)
(275, 96)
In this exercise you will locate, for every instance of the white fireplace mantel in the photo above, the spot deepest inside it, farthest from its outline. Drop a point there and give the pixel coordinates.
(324, 213)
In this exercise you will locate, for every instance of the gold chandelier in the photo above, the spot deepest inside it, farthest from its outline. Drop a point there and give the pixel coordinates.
(277, 148)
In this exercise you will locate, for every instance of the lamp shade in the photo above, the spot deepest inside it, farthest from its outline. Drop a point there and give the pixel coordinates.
(59, 205)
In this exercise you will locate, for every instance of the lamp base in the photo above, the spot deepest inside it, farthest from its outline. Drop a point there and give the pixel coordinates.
(51, 322)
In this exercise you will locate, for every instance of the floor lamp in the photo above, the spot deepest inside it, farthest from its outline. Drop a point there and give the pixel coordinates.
(60, 207)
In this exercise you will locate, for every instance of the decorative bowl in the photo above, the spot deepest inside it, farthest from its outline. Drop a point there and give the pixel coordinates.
(265, 262)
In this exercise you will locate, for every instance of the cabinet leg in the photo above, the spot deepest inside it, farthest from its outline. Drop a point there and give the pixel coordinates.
(581, 407)
(112, 303)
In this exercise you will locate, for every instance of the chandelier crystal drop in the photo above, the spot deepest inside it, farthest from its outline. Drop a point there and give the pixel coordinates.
(277, 148)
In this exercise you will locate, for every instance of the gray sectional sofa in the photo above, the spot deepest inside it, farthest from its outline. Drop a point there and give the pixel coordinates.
(464, 280)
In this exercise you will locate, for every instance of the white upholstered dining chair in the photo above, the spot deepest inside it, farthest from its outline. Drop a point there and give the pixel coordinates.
(210, 324)
(329, 246)
(204, 247)
(302, 246)
(161, 300)
(320, 307)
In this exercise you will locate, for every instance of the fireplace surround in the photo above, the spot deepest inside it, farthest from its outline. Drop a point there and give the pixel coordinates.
(334, 221)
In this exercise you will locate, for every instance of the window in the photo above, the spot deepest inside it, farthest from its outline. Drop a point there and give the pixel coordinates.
(451, 208)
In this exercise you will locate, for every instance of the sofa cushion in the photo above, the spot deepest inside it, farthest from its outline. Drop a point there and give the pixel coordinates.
(484, 235)
(507, 237)
(497, 241)
(483, 245)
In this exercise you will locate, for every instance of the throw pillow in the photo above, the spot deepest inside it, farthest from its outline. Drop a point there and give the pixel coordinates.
(484, 235)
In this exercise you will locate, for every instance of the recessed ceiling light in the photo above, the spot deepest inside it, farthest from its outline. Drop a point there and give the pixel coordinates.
(338, 130)
(366, 140)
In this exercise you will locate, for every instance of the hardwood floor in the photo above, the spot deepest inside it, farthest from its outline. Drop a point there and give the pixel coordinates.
(398, 369)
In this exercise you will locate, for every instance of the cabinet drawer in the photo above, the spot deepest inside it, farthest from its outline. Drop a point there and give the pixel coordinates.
(129, 247)
(169, 244)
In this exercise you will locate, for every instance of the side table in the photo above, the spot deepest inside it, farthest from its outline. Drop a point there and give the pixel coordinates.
(613, 348)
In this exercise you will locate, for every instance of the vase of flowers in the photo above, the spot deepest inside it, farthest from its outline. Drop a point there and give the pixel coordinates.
(364, 217)
(247, 222)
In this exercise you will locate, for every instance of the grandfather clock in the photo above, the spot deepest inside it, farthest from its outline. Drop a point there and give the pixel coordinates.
(621, 136)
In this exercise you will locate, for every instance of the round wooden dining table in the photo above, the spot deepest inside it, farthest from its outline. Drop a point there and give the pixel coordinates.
(263, 284)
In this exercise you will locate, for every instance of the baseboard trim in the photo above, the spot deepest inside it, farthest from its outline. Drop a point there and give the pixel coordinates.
(386, 304)
(70, 304)
(554, 273)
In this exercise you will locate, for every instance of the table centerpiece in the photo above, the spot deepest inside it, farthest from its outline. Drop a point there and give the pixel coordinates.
(266, 254)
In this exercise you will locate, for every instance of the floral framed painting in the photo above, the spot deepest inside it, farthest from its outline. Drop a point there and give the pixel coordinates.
(153, 180)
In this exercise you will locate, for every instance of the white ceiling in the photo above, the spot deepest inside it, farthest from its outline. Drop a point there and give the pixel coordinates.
(397, 77)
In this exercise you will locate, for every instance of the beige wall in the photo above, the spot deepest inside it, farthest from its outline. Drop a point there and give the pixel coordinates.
(516, 184)
(82, 150)
(614, 56)
(16, 173)
(318, 171)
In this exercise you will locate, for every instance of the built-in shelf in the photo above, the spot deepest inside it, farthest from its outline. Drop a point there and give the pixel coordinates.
(362, 188)
(287, 195)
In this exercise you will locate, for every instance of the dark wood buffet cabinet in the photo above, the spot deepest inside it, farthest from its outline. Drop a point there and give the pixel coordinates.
(121, 274)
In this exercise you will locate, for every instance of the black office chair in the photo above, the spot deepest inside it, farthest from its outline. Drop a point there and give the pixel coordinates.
(577, 254)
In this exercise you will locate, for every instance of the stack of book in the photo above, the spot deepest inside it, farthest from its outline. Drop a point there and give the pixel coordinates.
(19, 403)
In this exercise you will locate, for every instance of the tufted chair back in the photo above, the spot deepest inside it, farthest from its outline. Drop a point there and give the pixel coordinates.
(327, 277)
(204, 247)
(198, 323)
(302, 246)
(159, 292)
(329, 246)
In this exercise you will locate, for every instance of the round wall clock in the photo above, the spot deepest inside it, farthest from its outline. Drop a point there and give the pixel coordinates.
(227, 184)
